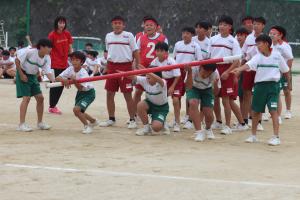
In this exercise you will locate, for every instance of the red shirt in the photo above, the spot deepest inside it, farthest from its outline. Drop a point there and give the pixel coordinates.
(60, 50)
(138, 35)
(147, 48)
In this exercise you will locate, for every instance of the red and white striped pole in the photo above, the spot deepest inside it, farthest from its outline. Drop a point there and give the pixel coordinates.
(148, 70)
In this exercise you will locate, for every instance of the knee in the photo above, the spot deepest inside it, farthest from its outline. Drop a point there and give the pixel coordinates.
(193, 104)
(76, 111)
(156, 126)
(141, 106)
(40, 99)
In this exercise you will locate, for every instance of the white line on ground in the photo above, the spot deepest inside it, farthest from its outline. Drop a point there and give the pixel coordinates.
(141, 175)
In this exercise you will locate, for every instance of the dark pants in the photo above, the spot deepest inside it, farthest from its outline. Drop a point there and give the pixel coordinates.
(55, 93)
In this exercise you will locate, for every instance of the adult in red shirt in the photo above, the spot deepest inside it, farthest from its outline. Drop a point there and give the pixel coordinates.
(62, 45)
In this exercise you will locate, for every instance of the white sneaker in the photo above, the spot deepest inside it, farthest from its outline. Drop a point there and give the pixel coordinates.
(226, 130)
(171, 124)
(279, 120)
(24, 128)
(184, 119)
(136, 118)
(87, 129)
(240, 127)
(107, 123)
(43, 126)
(166, 130)
(209, 134)
(144, 131)
(176, 127)
(217, 125)
(188, 125)
(260, 127)
(132, 125)
(288, 114)
(200, 137)
(251, 139)
(96, 123)
(274, 141)
(265, 117)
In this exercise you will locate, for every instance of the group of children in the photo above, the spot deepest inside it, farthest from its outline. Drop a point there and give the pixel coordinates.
(257, 78)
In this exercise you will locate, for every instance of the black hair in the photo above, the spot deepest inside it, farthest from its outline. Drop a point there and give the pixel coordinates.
(159, 74)
(260, 19)
(203, 24)
(89, 44)
(280, 29)
(264, 38)
(1, 48)
(226, 19)
(93, 53)
(188, 29)
(58, 19)
(162, 46)
(79, 55)
(5, 53)
(150, 18)
(210, 67)
(44, 43)
(12, 48)
(242, 30)
(118, 18)
(247, 18)
(20, 43)
(105, 51)
(209, 25)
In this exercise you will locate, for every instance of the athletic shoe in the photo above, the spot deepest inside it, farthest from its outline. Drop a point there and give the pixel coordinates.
(87, 129)
(279, 120)
(200, 137)
(107, 123)
(24, 127)
(144, 131)
(251, 139)
(288, 114)
(260, 127)
(265, 117)
(171, 124)
(96, 123)
(209, 134)
(176, 127)
(217, 125)
(226, 130)
(240, 127)
(184, 119)
(43, 126)
(274, 141)
(188, 125)
(132, 125)
(55, 110)
(166, 130)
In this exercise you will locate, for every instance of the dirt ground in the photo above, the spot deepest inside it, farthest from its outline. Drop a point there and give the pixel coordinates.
(113, 163)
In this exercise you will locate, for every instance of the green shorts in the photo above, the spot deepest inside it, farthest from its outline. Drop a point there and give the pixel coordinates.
(29, 88)
(265, 93)
(205, 96)
(158, 113)
(84, 98)
(284, 83)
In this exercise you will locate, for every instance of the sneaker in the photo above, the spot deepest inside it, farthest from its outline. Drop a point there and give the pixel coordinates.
(185, 119)
(265, 117)
(96, 123)
(137, 119)
(240, 127)
(209, 134)
(251, 139)
(217, 125)
(166, 130)
(107, 123)
(87, 129)
(274, 141)
(24, 128)
(171, 124)
(144, 131)
(176, 127)
(288, 114)
(43, 126)
(279, 120)
(188, 125)
(200, 137)
(132, 125)
(55, 110)
(260, 127)
(226, 130)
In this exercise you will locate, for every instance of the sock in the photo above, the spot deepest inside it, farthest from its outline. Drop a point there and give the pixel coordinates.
(190, 120)
(243, 124)
(219, 121)
(246, 121)
(259, 121)
(112, 119)
(250, 117)
(132, 119)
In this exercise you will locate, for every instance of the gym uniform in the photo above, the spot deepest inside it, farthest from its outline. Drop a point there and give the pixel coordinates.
(204, 46)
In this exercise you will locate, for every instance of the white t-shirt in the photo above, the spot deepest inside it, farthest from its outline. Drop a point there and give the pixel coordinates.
(204, 83)
(156, 94)
(9, 60)
(103, 63)
(120, 47)
(204, 45)
(82, 73)
(268, 68)
(224, 46)
(91, 64)
(184, 53)
(249, 48)
(166, 74)
(31, 62)
(285, 50)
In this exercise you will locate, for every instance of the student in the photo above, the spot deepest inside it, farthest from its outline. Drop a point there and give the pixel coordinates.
(88, 47)
(85, 94)
(122, 50)
(247, 23)
(209, 30)
(7, 65)
(268, 65)
(103, 62)
(92, 63)
(201, 81)
(27, 85)
(201, 38)
(172, 77)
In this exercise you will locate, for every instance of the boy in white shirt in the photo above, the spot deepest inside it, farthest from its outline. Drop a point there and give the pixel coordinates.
(268, 65)
(201, 38)
(92, 63)
(7, 65)
(85, 94)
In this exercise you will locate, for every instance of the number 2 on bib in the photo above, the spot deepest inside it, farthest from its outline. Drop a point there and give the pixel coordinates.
(152, 46)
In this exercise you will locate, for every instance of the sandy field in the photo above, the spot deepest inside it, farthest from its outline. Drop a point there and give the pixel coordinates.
(113, 163)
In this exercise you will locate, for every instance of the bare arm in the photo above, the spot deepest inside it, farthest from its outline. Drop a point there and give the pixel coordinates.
(20, 71)
(189, 79)
(158, 79)
(136, 56)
